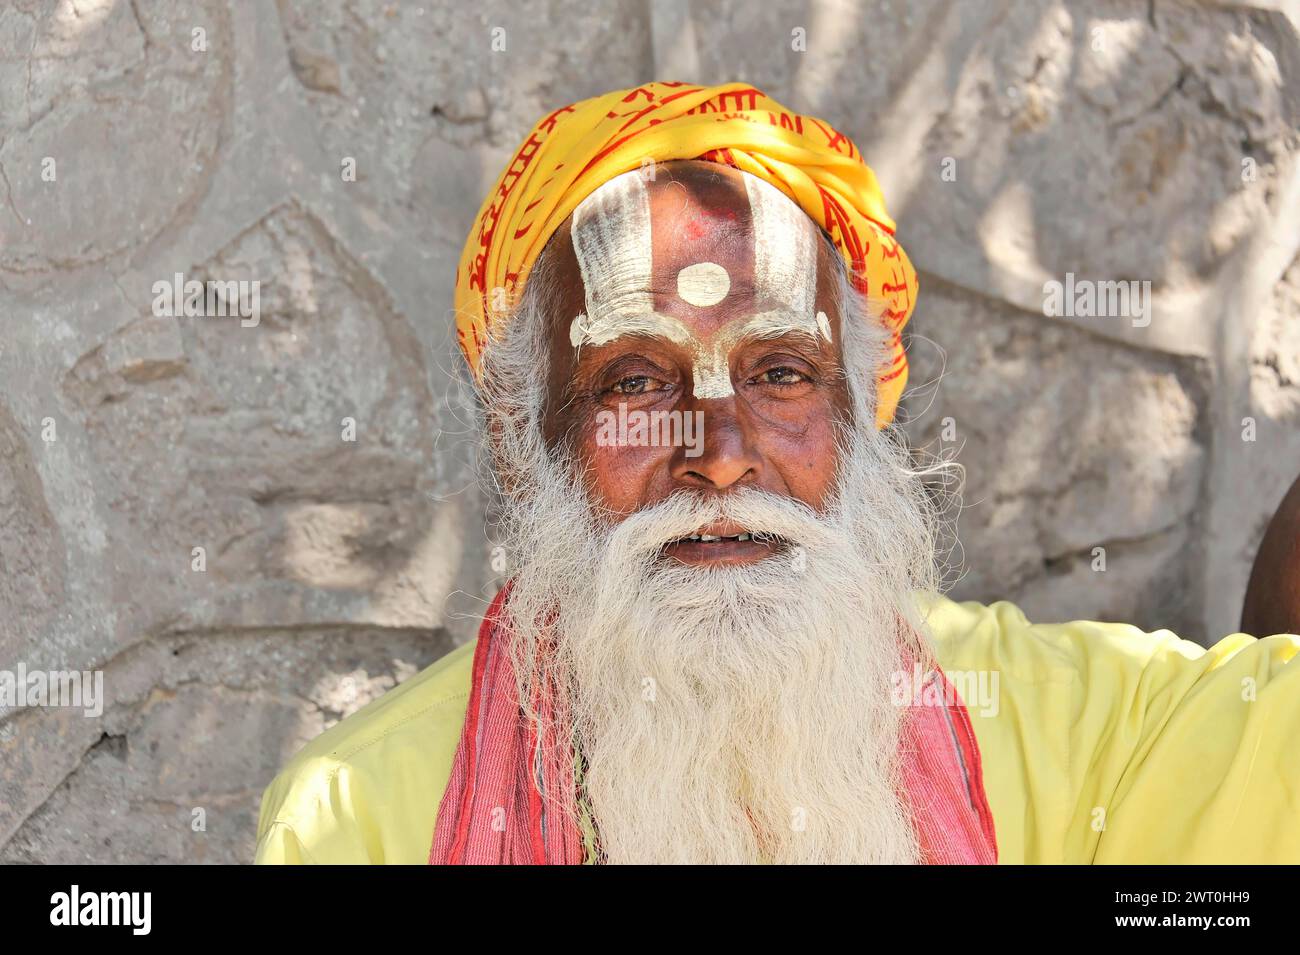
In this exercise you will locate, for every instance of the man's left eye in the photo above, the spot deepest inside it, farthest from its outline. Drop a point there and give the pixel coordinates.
(634, 385)
(781, 376)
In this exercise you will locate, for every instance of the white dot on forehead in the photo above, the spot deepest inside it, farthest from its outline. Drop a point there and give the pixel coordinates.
(703, 284)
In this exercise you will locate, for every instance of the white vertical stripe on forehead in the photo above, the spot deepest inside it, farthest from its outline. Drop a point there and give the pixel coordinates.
(611, 239)
(785, 252)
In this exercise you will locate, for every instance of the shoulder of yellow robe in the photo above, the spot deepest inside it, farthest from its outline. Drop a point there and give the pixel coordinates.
(1105, 744)
(367, 789)
(1100, 744)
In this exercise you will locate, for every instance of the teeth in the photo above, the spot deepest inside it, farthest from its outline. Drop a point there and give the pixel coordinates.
(709, 538)
(742, 537)
(693, 537)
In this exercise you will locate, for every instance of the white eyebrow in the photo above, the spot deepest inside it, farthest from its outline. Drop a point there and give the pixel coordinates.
(711, 365)
(624, 321)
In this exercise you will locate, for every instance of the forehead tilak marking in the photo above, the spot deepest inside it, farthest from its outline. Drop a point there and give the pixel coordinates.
(612, 241)
(703, 284)
(785, 256)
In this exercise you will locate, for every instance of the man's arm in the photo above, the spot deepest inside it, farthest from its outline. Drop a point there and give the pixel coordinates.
(280, 845)
(1272, 602)
(1105, 744)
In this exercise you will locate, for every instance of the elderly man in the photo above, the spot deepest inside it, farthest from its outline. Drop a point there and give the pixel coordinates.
(733, 649)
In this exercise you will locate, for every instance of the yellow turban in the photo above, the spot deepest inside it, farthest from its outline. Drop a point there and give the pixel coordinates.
(576, 149)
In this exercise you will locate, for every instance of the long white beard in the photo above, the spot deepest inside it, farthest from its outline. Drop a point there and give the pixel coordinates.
(739, 714)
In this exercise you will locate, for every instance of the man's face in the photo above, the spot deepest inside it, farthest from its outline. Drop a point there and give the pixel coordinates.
(705, 291)
(702, 290)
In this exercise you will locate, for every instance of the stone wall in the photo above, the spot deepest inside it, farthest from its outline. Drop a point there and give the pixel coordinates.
(181, 506)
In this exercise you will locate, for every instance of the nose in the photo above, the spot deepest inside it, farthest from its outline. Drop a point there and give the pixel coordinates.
(728, 454)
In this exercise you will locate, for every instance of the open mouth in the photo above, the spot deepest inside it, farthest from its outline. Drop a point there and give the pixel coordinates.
(724, 545)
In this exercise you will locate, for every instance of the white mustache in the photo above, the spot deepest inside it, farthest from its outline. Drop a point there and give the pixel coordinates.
(645, 533)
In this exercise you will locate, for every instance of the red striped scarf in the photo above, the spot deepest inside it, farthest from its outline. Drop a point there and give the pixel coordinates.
(494, 810)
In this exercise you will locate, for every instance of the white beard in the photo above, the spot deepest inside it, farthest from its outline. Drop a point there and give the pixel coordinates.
(736, 714)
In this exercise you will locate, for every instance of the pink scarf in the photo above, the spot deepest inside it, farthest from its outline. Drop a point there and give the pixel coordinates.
(494, 810)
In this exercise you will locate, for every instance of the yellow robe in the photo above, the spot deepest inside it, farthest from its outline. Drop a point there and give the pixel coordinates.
(1102, 744)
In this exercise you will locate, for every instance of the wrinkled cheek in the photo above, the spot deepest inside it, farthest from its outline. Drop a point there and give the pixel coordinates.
(622, 478)
(807, 460)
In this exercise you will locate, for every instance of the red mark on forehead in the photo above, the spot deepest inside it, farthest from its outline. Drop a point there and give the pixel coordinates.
(703, 221)
(696, 219)
(715, 215)
(715, 236)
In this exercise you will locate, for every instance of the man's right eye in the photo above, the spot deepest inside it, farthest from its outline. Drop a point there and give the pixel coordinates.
(632, 385)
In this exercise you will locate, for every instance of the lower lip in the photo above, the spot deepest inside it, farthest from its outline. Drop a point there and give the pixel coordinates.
(720, 553)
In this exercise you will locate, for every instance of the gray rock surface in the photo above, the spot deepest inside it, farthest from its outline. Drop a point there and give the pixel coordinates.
(321, 459)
